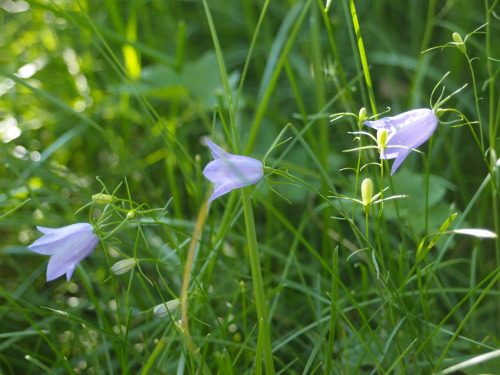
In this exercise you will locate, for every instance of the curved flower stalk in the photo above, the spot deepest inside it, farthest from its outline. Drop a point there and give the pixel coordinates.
(67, 247)
(228, 171)
(405, 132)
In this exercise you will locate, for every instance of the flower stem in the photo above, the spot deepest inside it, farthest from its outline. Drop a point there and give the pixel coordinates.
(200, 221)
(362, 55)
(258, 285)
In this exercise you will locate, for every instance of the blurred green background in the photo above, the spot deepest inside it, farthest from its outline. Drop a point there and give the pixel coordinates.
(128, 89)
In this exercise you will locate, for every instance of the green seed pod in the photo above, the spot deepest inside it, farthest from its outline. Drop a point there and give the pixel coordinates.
(123, 266)
(163, 309)
(103, 198)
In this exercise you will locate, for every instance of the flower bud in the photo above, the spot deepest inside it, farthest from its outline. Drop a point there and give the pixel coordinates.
(123, 266)
(362, 114)
(382, 138)
(366, 191)
(103, 198)
(163, 309)
(459, 42)
(131, 214)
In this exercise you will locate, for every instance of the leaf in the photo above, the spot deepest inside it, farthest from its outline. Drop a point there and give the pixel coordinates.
(480, 233)
(435, 237)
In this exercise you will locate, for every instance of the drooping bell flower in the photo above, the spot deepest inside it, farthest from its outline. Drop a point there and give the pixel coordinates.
(228, 171)
(405, 132)
(67, 246)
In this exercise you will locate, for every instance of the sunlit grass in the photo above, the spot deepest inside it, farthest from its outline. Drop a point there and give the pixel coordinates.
(297, 274)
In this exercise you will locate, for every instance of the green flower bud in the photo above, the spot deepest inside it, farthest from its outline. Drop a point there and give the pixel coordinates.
(382, 138)
(366, 191)
(103, 198)
(131, 214)
(362, 114)
(459, 41)
(123, 266)
(163, 309)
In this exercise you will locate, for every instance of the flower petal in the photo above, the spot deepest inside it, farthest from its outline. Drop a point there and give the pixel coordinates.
(54, 237)
(395, 123)
(233, 173)
(415, 130)
(230, 171)
(67, 246)
(242, 170)
(399, 159)
(217, 152)
(221, 190)
(66, 260)
(407, 131)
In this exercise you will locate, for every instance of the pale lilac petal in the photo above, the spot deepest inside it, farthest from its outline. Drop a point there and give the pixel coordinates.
(414, 132)
(68, 229)
(66, 260)
(220, 190)
(217, 152)
(43, 246)
(399, 159)
(68, 246)
(230, 171)
(394, 123)
(54, 237)
(45, 230)
(407, 131)
(58, 266)
(243, 170)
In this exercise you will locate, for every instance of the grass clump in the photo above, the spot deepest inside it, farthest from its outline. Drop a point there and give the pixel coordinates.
(325, 263)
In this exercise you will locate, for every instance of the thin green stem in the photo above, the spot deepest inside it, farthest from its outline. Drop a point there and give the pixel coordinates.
(258, 284)
(333, 312)
(367, 231)
(362, 55)
(476, 101)
(224, 77)
(493, 128)
(273, 79)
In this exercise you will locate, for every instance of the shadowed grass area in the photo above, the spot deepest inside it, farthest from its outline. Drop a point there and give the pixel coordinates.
(291, 275)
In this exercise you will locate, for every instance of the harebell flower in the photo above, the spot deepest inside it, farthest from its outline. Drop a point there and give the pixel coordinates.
(404, 133)
(228, 171)
(67, 247)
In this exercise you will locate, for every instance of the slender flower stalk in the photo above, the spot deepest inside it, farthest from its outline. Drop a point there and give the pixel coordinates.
(405, 132)
(228, 171)
(258, 285)
(67, 246)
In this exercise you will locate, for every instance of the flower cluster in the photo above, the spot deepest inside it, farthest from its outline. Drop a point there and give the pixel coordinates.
(69, 245)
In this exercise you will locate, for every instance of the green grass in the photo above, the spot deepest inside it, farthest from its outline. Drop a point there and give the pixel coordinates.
(285, 277)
